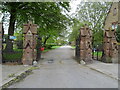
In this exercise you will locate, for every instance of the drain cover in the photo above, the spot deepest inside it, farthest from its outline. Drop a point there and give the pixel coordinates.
(50, 61)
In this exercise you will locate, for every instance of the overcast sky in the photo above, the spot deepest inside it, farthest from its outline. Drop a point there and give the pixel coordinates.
(73, 5)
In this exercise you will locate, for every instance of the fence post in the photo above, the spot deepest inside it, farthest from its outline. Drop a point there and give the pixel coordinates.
(77, 53)
(97, 50)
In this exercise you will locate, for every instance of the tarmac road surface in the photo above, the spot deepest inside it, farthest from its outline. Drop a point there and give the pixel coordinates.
(58, 69)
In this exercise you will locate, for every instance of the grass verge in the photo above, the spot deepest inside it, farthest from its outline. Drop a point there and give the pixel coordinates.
(53, 47)
(73, 47)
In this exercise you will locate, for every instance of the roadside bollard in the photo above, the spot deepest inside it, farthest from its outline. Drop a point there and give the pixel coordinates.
(35, 63)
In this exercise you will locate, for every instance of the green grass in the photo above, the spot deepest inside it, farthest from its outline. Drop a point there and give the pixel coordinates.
(73, 47)
(53, 47)
(99, 54)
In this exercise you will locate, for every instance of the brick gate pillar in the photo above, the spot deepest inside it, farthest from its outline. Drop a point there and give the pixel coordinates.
(86, 44)
(110, 46)
(29, 43)
(0, 43)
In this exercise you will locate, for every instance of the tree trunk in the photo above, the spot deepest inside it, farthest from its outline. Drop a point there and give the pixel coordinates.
(9, 44)
(46, 40)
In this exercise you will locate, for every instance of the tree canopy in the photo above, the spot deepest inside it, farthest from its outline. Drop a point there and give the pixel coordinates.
(47, 15)
(93, 14)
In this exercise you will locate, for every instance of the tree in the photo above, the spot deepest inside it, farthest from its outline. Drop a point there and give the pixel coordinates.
(46, 14)
(93, 14)
(53, 22)
(75, 30)
(118, 33)
(13, 9)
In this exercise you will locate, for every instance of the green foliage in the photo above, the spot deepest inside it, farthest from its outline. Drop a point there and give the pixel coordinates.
(98, 38)
(99, 54)
(73, 47)
(12, 57)
(47, 46)
(19, 38)
(118, 33)
(47, 15)
(51, 46)
(93, 14)
(75, 30)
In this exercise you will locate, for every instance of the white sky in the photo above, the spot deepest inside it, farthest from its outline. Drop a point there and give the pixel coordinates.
(73, 5)
(1, 15)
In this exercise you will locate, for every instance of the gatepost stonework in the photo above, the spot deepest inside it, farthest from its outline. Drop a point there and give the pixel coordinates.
(86, 44)
(0, 43)
(110, 43)
(119, 26)
(110, 46)
(29, 43)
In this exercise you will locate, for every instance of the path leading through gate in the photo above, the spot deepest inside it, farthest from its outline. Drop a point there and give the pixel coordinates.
(59, 70)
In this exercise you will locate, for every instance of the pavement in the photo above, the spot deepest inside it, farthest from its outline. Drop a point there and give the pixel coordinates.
(109, 69)
(58, 69)
(10, 72)
(0, 75)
